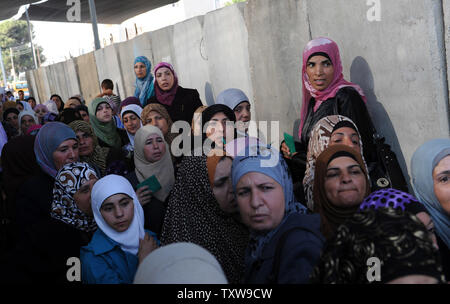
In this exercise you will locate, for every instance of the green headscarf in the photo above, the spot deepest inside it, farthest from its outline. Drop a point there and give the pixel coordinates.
(107, 132)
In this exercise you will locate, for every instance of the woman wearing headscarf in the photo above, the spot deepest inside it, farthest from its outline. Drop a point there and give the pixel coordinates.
(430, 171)
(396, 238)
(27, 119)
(144, 80)
(40, 111)
(152, 158)
(11, 122)
(131, 118)
(58, 102)
(326, 92)
(52, 107)
(194, 215)
(327, 132)
(101, 158)
(101, 120)
(179, 102)
(55, 145)
(128, 101)
(341, 183)
(120, 242)
(393, 198)
(23, 106)
(285, 241)
(180, 263)
(72, 102)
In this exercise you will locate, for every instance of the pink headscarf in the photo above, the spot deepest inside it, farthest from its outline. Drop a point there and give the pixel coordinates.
(328, 46)
(166, 97)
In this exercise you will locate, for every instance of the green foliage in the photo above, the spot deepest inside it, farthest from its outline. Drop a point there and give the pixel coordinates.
(233, 2)
(14, 34)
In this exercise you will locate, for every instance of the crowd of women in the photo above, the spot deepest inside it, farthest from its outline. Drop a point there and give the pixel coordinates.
(101, 182)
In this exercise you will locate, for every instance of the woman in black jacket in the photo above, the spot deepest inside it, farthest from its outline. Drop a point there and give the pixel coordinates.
(180, 102)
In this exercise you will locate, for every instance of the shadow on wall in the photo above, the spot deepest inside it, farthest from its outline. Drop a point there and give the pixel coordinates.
(361, 74)
(209, 94)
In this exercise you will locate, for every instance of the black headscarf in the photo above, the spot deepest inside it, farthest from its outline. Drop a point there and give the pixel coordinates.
(397, 238)
(212, 110)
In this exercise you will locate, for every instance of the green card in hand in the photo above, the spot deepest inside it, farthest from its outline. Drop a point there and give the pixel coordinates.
(289, 140)
(152, 183)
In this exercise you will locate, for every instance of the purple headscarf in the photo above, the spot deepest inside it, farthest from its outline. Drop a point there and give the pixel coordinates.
(49, 137)
(394, 199)
(128, 101)
(166, 97)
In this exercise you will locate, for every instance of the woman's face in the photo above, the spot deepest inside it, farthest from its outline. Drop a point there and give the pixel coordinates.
(320, 72)
(261, 201)
(26, 122)
(441, 180)
(131, 122)
(19, 107)
(13, 120)
(104, 112)
(66, 153)
(118, 211)
(346, 136)
(86, 143)
(242, 112)
(165, 79)
(140, 70)
(83, 196)
(84, 115)
(57, 101)
(345, 183)
(154, 148)
(157, 120)
(32, 102)
(216, 129)
(73, 103)
(40, 112)
(222, 187)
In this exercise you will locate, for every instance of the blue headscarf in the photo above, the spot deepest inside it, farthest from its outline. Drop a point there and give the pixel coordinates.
(268, 161)
(144, 86)
(50, 136)
(423, 162)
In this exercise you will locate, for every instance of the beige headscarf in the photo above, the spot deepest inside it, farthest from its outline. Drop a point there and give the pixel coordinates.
(163, 112)
(162, 169)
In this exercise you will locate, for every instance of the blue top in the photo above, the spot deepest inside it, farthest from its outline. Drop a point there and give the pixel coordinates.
(104, 262)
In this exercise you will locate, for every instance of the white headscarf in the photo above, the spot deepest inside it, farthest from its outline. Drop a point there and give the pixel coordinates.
(110, 185)
(51, 106)
(25, 113)
(180, 263)
(26, 106)
(137, 110)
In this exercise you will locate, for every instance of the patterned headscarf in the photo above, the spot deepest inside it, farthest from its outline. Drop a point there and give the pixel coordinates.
(423, 162)
(392, 198)
(98, 157)
(48, 139)
(318, 142)
(329, 47)
(144, 86)
(397, 238)
(331, 216)
(193, 215)
(166, 97)
(269, 162)
(163, 112)
(67, 182)
(106, 131)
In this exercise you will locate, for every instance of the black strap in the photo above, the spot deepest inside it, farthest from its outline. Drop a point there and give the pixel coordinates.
(273, 276)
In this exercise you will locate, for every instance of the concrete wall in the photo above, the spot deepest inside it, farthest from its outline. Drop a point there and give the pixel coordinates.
(399, 61)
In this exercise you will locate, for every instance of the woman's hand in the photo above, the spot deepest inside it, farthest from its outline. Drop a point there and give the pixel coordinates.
(144, 195)
(286, 152)
(146, 246)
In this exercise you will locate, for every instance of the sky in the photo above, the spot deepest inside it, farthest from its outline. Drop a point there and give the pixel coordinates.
(61, 40)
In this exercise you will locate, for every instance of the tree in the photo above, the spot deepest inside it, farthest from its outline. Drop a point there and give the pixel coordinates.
(14, 34)
(233, 2)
